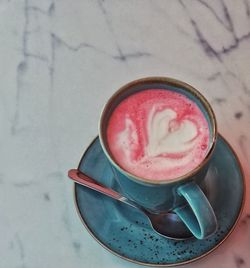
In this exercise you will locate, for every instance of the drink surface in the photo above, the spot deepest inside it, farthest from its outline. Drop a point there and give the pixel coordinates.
(158, 134)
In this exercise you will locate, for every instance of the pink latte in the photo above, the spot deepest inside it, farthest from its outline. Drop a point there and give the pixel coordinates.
(158, 134)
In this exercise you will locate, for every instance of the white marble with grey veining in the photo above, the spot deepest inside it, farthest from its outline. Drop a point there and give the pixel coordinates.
(60, 61)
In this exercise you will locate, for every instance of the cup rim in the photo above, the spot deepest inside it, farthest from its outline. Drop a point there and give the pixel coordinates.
(171, 82)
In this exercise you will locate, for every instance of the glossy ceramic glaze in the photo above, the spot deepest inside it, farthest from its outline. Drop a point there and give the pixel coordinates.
(126, 232)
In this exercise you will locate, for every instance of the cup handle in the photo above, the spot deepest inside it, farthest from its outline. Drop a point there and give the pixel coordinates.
(198, 215)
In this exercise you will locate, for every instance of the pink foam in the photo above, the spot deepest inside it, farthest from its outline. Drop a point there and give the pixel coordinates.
(129, 134)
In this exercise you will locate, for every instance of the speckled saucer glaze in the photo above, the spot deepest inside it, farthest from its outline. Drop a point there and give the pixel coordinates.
(126, 232)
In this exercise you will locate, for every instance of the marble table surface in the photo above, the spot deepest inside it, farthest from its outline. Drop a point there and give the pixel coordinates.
(60, 61)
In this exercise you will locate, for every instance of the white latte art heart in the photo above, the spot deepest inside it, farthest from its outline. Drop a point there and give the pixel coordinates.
(163, 139)
(158, 134)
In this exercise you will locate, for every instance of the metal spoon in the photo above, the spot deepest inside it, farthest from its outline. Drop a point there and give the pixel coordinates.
(168, 225)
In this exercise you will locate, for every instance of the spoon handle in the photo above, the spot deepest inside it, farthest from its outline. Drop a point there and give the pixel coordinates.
(81, 178)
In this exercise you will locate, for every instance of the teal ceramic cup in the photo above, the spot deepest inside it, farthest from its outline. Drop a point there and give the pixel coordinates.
(182, 195)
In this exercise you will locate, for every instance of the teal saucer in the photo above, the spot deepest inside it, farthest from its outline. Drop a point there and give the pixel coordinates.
(126, 232)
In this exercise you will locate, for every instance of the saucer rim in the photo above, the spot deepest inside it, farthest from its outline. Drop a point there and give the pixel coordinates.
(173, 263)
